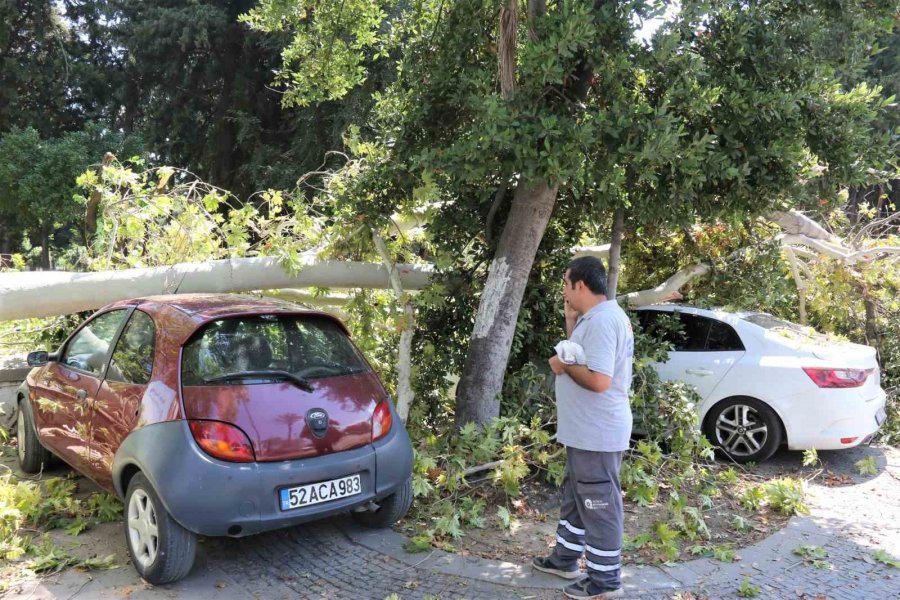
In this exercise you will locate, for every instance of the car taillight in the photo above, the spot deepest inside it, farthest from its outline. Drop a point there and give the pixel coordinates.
(381, 420)
(222, 441)
(838, 378)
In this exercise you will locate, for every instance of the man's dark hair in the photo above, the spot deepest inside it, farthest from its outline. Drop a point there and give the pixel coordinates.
(590, 270)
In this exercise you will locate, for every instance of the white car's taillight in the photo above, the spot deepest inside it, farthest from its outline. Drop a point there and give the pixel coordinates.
(838, 378)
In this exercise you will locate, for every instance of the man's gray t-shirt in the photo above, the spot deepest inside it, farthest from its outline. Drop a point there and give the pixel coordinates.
(588, 420)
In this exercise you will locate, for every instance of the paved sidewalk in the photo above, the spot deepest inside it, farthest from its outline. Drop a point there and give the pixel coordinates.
(336, 559)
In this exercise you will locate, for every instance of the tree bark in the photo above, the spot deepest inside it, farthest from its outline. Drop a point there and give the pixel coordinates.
(405, 393)
(615, 253)
(93, 205)
(45, 247)
(478, 393)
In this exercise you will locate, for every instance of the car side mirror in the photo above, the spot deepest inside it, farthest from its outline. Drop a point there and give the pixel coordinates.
(38, 359)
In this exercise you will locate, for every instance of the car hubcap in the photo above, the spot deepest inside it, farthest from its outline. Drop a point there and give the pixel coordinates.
(143, 532)
(741, 431)
(20, 435)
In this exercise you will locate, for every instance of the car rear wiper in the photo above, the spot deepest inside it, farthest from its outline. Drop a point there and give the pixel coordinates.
(272, 373)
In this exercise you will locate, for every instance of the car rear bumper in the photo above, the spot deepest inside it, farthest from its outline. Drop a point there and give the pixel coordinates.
(839, 421)
(215, 498)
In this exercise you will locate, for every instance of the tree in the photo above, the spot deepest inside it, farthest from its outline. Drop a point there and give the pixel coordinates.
(34, 68)
(197, 88)
(719, 117)
(38, 187)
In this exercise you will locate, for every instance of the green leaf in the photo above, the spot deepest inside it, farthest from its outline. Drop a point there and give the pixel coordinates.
(867, 466)
(419, 543)
(885, 558)
(746, 590)
(76, 526)
(810, 551)
(504, 516)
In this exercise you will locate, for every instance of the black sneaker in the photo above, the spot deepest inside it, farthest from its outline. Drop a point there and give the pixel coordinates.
(543, 563)
(586, 590)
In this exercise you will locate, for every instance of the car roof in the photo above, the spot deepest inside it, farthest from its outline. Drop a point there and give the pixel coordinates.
(212, 305)
(199, 309)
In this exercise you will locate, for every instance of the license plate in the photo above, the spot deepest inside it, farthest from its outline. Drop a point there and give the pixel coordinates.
(314, 493)
(880, 416)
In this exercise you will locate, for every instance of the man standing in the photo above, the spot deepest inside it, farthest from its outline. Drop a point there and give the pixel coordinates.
(594, 423)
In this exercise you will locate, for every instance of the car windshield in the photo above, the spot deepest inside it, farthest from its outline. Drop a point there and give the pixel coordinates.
(263, 348)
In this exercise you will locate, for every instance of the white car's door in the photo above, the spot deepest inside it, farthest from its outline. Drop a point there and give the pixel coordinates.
(702, 355)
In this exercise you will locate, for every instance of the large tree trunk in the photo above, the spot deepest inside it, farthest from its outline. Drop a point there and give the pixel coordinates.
(478, 394)
(42, 294)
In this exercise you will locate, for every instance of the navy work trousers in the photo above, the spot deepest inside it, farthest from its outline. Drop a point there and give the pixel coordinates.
(591, 520)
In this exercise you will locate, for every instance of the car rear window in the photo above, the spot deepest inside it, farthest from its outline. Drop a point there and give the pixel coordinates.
(767, 321)
(308, 347)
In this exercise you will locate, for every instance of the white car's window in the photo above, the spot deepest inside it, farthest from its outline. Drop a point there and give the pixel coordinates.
(307, 347)
(723, 338)
(690, 333)
(89, 348)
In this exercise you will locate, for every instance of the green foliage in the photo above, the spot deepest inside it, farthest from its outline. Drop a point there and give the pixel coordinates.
(787, 496)
(448, 501)
(752, 498)
(867, 466)
(27, 506)
(810, 551)
(748, 590)
(810, 457)
(886, 559)
(37, 181)
(742, 524)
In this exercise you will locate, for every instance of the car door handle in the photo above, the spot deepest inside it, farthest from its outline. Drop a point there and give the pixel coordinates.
(700, 372)
(81, 395)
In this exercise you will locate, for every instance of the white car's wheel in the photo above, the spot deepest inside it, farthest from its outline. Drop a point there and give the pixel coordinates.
(161, 550)
(743, 429)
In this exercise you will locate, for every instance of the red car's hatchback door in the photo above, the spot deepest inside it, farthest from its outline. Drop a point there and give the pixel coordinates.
(273, 375)
(65, 390)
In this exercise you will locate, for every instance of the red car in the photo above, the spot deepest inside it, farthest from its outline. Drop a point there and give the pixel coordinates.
(216, 415)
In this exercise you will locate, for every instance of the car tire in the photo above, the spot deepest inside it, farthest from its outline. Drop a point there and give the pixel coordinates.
(743, 429)
(33, 457)
(390, 508)
(165, 556)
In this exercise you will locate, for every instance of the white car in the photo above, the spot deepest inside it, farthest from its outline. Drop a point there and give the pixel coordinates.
(766, 382)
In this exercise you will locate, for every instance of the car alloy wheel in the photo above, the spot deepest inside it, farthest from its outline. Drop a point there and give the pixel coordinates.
(743, 429)
(143, 529)
(161, 550)
(740, 431)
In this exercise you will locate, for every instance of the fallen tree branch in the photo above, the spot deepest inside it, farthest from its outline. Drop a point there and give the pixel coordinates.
(669, 289)
(405, 394)
(45, 293)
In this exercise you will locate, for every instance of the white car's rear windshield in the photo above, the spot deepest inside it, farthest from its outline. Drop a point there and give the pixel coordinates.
(785, 328)
(767, 321)
(306, 346)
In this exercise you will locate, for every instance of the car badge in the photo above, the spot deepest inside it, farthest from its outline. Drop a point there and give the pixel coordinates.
(317, 419)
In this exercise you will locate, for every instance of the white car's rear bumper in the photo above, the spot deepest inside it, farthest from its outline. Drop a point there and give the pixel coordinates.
(841, 419)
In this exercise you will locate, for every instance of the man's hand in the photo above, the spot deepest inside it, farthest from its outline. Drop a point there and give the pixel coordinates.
(557, 366)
